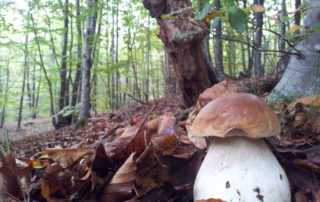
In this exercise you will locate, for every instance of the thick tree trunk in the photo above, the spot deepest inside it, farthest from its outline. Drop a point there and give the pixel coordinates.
(87, 60)
(302, 75)
(193, 72)
(257, 63)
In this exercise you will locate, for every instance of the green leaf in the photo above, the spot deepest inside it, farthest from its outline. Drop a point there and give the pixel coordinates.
(202, 14)
(183, 35)
(237, 19)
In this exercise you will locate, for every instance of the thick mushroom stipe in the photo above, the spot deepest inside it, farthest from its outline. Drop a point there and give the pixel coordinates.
(241, 169)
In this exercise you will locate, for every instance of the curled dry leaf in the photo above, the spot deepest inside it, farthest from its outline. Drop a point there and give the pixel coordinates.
(67, 157)
(121, 185)
(133, 139)
(9, 183)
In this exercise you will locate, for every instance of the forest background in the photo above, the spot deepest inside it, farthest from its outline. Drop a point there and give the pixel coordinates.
(45, 45)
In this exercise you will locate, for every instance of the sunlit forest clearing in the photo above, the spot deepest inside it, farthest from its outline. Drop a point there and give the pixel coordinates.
(113, 100)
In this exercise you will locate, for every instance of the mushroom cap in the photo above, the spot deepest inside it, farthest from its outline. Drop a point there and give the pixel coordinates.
(236, 114)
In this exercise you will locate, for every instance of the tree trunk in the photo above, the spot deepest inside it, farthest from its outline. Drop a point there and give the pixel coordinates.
(257, 63)
(62, 120)
(193, 72)
(26, 67)
(302, 76)
(52, 111)
(218, 53)
(87, 60)
(297, 15)
(77, 79)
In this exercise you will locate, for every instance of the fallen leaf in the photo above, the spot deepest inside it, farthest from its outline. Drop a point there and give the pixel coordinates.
(8, 177)
(121, 186)
(309, 100)
(300, 197)
(67, 157)
(134, 139)
(165, 144)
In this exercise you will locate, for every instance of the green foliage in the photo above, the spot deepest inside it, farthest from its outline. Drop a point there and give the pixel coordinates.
(70, 110)
(237, 19)
(5, 147)
(202, 14)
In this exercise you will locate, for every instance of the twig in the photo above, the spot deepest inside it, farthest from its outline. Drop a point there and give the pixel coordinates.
(140, 101)
(228, 38)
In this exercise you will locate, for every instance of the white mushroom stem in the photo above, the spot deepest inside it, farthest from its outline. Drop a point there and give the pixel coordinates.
(241, 169)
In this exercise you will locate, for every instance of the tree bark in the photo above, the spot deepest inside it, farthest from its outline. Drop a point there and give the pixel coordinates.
(193, 72)
(87, 59)
(62, 120)
(26, 67)
(302, 76)
(218, 44)
(76, 84)
(257, 63)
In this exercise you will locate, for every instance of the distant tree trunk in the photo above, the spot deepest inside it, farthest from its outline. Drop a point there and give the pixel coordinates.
(302, 76)
(193, 72)
(257, 63)
(5, 96)
(87, 60)
(52, 111)
(218, 53)
(26, 67)
(169, 76)
(62, 120)
(77, 79)
(283, 16)
(206, 41)
(297, 15)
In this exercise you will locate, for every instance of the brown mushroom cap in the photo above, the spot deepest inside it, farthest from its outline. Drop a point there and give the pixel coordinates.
(237, 114)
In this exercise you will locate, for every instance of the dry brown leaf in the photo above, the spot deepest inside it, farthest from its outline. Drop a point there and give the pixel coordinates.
(67, 157)
(165, 144)
(167, 125)
(122, 183)
(300, 197)
(53, 190)
(309, 100)
(133, 139)
(8, 176)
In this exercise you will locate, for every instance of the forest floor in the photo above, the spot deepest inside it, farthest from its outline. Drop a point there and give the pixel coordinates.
(30, 127)
(143, 153)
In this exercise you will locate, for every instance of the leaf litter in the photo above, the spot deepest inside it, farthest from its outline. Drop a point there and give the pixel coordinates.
(143, 153)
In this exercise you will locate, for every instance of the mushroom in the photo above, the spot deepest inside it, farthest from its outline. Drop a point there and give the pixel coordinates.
(239, 166)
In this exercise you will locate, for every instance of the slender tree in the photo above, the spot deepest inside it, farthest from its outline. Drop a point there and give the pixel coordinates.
(87, 59)
(218, 53)
(257, 62)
